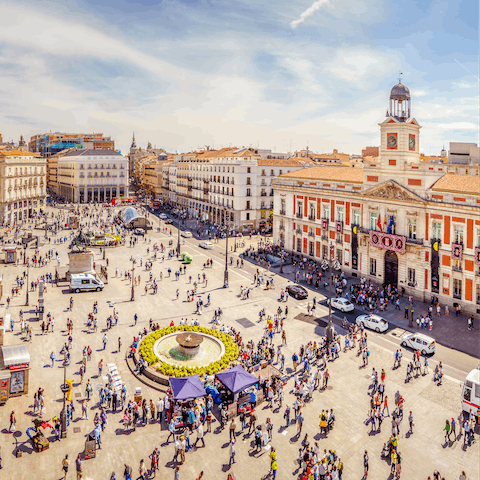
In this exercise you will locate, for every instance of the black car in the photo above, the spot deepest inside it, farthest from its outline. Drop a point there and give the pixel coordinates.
(297, 291)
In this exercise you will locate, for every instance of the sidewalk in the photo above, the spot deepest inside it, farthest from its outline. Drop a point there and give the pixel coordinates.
(451, 331)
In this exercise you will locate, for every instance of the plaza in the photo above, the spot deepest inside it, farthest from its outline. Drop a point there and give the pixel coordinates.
(423, 451)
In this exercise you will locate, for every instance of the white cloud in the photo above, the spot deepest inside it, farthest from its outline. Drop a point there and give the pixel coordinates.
(418, 93)
(464, 84)
(457, 126)
(307, 13)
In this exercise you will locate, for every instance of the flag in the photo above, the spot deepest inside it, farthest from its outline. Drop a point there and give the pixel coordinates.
(379, 223)
(391, 224)
(384, 222)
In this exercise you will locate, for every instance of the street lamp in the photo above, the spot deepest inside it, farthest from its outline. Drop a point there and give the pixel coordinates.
(26, 299)
(178, 242)
(225, 279)
(133, 280)
(282, 258)
(332, 262)
(64, 388)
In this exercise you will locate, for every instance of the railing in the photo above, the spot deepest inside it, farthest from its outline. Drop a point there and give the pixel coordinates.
(298, 230)
(271, 193)
(263, 194)
(299, 215)
(364, 230)
(282, 227)
(312, 217)
(337, 240)
(456, 268)
(415, 241)
(324, 236)
(311, 234)
(283, 212)
(458, 296)
(477, 273)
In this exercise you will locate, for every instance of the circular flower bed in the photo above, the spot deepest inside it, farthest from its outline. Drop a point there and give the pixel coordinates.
(230, 355)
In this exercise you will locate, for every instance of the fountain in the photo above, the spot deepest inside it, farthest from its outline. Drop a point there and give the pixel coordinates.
(189, 343)
(188, 349)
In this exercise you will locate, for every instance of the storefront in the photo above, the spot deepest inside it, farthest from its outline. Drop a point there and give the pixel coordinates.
(14, 368)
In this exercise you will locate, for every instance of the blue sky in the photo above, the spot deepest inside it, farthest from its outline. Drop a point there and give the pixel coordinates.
(185, 74)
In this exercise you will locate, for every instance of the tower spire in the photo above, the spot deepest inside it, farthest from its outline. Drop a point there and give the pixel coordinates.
(400, 73)
(134, 144)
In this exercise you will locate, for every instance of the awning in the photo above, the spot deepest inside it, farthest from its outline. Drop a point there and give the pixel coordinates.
(236, 379)
(187, 387)
(15, 355)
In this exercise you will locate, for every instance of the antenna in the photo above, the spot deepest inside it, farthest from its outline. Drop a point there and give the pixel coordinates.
(400, 73)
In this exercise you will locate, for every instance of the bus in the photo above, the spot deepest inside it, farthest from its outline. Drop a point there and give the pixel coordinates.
(121, 201)
(155, 205)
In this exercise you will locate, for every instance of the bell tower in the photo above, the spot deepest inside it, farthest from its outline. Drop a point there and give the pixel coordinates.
(399, 131)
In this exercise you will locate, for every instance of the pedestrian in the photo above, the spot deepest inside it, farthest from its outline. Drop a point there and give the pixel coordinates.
(13, 422)
(200, 435)
(273, 464)
(410, 421)
(65, 465)
(299, 424)
(452, 429)
(365, 464)
(447, 430)
(232, 429)
(79, 468)
(232, 451)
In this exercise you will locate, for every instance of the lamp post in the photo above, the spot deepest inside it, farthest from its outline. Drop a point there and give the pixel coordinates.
(329, 329)
(178, 242)
(64, 388)
(26, 298)
(282, 258)
(225, 278)
(133, 280)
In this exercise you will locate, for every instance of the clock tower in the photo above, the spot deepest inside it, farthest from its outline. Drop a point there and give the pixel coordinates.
(399, 131)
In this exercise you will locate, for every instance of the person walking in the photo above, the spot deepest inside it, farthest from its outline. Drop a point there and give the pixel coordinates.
(365, 464)
(200, 435)
(273, 464)
(447, 430)
(65, 465)
(232, 429)
(78, 467)
(13, 421)
(232, 451)
(410, 421)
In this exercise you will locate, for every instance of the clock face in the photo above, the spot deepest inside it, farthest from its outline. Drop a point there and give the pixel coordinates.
(412, 142)
(392, 141)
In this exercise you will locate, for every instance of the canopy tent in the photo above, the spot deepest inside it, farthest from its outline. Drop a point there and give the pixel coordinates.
(237, 379)
(187, 387)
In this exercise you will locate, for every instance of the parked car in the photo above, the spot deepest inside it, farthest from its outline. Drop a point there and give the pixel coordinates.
(342, 304)
(374, 322)
(139, 231)
(297, 291)
(186, 234)
(163, 216)
(419, 341)
(206, 245)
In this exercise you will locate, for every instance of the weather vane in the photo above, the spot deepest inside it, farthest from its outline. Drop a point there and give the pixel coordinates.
(400, 73)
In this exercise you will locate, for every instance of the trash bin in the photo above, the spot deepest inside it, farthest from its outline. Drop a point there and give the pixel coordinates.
(90, 447)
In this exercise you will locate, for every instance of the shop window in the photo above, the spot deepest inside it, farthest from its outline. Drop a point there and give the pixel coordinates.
(373, 266)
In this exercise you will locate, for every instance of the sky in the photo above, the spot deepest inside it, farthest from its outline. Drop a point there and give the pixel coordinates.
(280, 75)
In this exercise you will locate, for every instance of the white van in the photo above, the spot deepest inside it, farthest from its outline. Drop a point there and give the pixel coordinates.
(471, 392)
(85, 281)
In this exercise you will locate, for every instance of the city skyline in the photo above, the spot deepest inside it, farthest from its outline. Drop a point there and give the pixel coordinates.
(184, 75)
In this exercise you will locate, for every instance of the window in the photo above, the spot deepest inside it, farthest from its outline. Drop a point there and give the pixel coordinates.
(373, 266)
(248, 216)
(312, 211)
(412, 228)
(300, 209)
(339, 256)
(271, 173)
(411, 277)
(263, 173)
(311, 249)
(248, 181)
(339, 238)
(356, 217)
(458, 234)
(457, 288)
(373, 221)
(340, 213)
(324, 251)
(249, 192)
(249, 170)
(299, 244)
(279, 172)
(326, 212)
(437, 231)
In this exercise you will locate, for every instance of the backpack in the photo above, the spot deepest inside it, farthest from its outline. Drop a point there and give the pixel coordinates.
(368, 353)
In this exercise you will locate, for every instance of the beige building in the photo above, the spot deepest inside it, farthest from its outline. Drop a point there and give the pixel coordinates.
(22, 184)
(86, 176)
(398, 220)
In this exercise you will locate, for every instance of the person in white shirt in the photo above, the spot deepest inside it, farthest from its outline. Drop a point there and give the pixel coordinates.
(160, 406)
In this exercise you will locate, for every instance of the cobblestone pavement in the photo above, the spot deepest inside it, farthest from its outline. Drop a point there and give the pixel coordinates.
(347, 394)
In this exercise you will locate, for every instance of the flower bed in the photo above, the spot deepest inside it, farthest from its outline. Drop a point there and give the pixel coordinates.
(230, 355)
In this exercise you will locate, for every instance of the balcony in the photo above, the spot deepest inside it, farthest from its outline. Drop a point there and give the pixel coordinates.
(456, 268)
(282, 227)
(299, 215)
(271, 193)
(415, 241)
(298, 230)
(312, 217)
(324, 236)
(206, 191)
(248, 194)
(340, 242)
(283, 212)
(263, 194)
(458, 295)
(311, 234)
(364, 230)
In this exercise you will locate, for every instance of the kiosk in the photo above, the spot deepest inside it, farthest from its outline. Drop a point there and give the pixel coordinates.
(14, 368)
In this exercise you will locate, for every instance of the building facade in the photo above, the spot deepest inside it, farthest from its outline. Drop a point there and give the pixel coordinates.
(85, 176)
(22, 185)
(397, 221)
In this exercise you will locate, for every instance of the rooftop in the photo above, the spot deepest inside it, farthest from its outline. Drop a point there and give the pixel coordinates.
(452, 182)
(288, 162)
(90, 152)
(335, 173)
(14, 152)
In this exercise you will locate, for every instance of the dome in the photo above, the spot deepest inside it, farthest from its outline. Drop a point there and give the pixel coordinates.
(400, 92)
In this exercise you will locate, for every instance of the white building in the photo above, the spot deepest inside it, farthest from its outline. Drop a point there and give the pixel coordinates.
(86, 176)
(22, 184)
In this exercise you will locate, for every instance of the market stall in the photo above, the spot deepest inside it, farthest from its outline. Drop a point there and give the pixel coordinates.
(241, 395)
(14, 368)
(186, 391)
